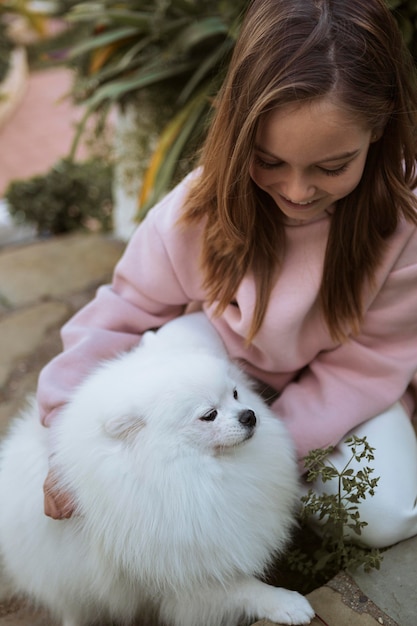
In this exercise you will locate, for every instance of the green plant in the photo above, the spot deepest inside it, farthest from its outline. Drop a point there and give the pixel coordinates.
(70, 196)
(337, 515)
(174, 50)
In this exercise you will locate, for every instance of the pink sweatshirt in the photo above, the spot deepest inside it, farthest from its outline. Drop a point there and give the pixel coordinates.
(326, 388)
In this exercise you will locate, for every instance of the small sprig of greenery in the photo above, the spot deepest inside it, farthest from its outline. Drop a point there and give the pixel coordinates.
(336, 515)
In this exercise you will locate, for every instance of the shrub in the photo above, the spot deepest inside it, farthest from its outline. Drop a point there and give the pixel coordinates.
(70, 196)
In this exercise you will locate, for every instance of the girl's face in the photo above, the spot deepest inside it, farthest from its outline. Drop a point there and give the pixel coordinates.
(308, 156)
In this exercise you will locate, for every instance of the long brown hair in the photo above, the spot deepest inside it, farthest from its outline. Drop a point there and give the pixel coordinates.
(294, 51)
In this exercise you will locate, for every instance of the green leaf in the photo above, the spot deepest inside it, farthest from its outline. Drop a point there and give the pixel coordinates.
(203, 69)
(103, 39)
(186, 119)
(125, 63)
(393, 4)
(200, 31)
(144, 78)
(191, 7)
(90, 12)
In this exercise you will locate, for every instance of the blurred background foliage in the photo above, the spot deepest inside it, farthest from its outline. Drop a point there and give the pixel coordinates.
(176, 51)
(405, 12)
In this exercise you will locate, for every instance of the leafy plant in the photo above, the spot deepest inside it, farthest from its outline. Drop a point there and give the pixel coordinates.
(174, 50)
(70, 196)
(337, 515)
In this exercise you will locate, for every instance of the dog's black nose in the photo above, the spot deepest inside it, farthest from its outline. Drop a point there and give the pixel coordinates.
(247, 418)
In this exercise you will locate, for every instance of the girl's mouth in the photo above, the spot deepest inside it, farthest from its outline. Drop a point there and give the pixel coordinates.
(300, 206)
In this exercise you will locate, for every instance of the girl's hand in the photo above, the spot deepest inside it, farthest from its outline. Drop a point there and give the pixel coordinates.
(57, 504)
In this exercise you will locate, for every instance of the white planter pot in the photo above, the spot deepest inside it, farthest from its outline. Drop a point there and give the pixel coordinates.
(135, 134)
(137, 129)
(13, 87)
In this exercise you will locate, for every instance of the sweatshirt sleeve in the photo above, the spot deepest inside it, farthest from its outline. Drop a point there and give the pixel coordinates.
(152, 283)
(345, 386)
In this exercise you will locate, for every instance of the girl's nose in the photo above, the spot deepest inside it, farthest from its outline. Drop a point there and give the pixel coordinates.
(297, 188)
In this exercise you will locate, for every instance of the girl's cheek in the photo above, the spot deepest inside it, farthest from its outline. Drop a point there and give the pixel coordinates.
(261, 177)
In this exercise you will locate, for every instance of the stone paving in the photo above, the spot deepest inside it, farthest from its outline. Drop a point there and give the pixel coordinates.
(42, 283)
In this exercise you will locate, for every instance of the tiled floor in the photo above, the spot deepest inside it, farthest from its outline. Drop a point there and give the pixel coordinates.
(41, 129)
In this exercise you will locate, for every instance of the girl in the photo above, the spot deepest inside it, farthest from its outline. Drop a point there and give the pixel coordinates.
(297, 237)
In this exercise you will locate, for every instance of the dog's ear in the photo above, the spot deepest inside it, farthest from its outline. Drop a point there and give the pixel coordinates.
(124, 427)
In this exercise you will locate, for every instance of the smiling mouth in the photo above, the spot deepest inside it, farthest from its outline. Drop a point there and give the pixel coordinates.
(300, 204)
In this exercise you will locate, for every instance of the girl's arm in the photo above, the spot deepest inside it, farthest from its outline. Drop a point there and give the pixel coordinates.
(356, 381)
(153, 282)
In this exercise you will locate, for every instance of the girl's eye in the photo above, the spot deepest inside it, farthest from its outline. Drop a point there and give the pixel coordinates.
(336, 172)
(209, 417)
(235, 394)
(266, 165)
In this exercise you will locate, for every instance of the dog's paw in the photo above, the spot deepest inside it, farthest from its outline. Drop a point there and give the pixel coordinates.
(287, 607)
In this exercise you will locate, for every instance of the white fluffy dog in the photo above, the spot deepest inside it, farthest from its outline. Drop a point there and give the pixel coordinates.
(185, 485)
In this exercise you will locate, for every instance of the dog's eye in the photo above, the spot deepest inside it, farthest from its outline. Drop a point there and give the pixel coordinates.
(209, 417)
(235, 394)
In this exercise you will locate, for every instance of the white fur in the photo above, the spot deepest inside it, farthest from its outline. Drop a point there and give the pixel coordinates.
(175, 514)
